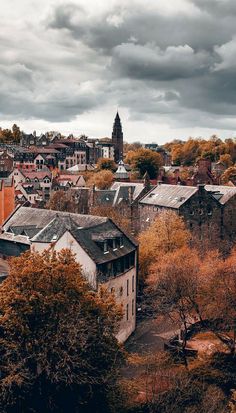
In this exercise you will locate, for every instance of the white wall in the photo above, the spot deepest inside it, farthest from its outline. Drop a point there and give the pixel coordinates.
(126, 326)
(87, 264)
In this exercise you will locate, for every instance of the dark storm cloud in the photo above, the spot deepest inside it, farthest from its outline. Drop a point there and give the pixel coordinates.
(176, 64)
(152, 63)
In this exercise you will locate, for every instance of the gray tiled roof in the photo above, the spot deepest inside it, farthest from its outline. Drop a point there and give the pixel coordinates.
(169, 196)
(221, 193)
(36, 219)
(85, 236)
(138, 187)
(90, 238)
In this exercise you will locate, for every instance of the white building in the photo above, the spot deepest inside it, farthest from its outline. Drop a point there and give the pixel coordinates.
(108, 256)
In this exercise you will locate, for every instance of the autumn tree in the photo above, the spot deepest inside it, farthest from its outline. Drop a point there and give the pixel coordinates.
(106, 163)
(102, 179)
(166, 234)
(226, 160)
(144, 160)
(175, 289)
(220, 293)
(62, 201)
(119, 216)
(58, 350)
(16, 133)
(229, 175)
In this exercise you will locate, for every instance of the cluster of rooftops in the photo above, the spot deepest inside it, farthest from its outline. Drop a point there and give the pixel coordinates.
(98, 236)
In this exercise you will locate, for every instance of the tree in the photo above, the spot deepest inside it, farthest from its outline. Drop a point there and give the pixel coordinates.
(145, 160)
(226, 160)
(16, 133)
(102, 179)
(221, 307)
(229, 175)
(175, 288)
(106, 163)
(62, 201)
(58, 351)
(166, 234)
(117, 215)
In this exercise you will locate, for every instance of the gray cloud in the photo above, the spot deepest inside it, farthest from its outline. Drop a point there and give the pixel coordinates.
(160, 63)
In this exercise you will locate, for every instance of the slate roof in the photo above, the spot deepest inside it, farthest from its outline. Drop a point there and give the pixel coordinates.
(105, 196)
(48, 226)
(13, 246)
(138, 187)
(35, 219)
(89, 239)
(221, 193)
(169, 196)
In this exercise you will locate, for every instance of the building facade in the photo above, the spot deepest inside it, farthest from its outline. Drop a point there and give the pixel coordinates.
(108, 256)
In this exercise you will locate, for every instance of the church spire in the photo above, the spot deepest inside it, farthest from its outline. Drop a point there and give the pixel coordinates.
(117, 138)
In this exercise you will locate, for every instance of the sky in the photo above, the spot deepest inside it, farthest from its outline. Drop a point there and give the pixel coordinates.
(169, 67)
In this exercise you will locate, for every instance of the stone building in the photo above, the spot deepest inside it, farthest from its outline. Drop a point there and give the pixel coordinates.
(108, 255)
(124, 198)
(208, 210)
(117, 139)
(6, 164)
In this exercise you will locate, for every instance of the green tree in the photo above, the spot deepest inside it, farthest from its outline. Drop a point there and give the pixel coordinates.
(58, 351)
(106, 163)
(145, 160)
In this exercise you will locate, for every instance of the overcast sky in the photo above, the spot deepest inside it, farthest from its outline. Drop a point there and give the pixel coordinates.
(169, 66)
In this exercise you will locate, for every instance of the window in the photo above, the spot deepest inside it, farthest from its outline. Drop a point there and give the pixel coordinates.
(209, 210)
(121, 242)
(105, 247)
(127, 312)
(133, 284)
(127, 288)
(132, 307)
(114, 246)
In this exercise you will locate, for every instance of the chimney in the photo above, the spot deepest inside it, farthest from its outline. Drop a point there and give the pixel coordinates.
(201, 188)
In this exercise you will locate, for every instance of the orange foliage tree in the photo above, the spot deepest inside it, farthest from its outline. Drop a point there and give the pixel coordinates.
(118, 216)
(175, 288)
(62, 201)
(58, 351)
(102, 179)
(166, 234)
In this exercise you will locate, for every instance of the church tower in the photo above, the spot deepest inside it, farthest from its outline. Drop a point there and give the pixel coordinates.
(117, 139)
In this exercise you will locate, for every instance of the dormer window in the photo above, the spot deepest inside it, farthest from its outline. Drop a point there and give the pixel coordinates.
(121, 239)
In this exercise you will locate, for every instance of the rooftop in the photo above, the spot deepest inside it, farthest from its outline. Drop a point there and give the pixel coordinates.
(169, 196)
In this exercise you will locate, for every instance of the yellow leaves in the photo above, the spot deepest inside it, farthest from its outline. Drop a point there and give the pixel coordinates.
(165, 235)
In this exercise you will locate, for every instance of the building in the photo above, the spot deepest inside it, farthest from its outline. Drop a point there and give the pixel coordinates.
(124, 198)
(117, 139)
(121, 173)
(108, 256)
(208, 210)
(6, 164)
(107, 149)
(34, 185)
(7, 198)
